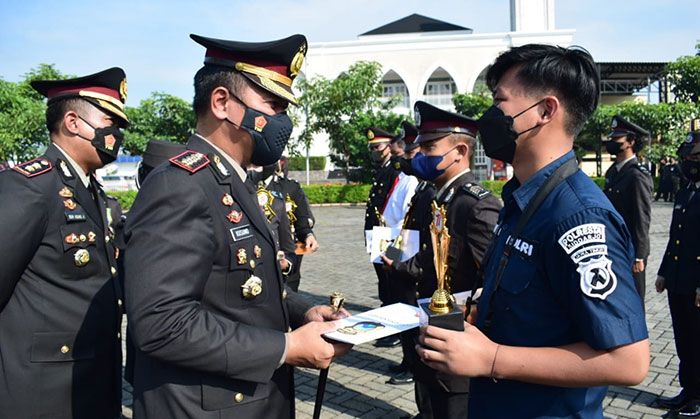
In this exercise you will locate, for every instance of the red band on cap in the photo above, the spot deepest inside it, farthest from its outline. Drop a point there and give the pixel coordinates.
(58, 91)
(223, 55)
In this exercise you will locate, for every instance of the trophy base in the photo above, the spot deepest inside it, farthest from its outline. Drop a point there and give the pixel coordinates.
(454, 320)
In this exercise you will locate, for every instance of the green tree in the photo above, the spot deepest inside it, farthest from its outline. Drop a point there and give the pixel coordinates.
(160, 117)
(473, 104)
(684, 74)
(23, 132)
(344, 108)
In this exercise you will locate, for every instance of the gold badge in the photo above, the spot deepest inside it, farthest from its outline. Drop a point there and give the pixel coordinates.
(219, 165)
(69, 204)
(82, 257)
(91, 236)
(65, 193)
(123, 90)
(297, 61)
(260, 123)
(72, 239)
(234, 216)
(83, 238)
(252, 288)
(370, 135)
(227, 200)
(241, 256)
(257, 251)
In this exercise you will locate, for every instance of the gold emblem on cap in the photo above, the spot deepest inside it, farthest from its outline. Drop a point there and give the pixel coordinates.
(123, 90)
(81, 258)
(65, 193)
(370, 134)
(252, 287)
(297, 61)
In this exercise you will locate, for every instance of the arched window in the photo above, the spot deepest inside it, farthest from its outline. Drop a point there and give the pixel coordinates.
(394, 86)
(439, 89)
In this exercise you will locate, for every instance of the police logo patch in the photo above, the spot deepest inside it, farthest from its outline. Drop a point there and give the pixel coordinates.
(597, 278)
(582, 235)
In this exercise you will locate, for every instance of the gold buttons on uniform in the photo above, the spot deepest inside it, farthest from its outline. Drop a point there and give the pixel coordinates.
(289, 329)
(65, 349)
(284, 294)
(675, 258)
(678, 242)
(417, 294)
(252, 264)
(238, 397)
(425, 246)
(119, 302)
(107, 239)
(114, 270)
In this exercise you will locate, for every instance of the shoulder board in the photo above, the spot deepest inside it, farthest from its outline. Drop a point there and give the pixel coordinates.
(642, 168)
(476, 190)
(190, 160)
(34, 167)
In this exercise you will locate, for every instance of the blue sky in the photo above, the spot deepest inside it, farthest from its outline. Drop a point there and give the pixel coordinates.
(149, 39)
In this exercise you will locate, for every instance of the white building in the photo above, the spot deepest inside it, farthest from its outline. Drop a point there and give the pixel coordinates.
(430, 60)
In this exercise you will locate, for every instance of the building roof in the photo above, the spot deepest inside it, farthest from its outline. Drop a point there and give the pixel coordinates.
(416, 23)
(625, 78)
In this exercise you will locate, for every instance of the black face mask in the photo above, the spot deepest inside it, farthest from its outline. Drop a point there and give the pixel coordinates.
(691, 170)
(498, 135)
(270, 134)
(613, 147)
(106, 141)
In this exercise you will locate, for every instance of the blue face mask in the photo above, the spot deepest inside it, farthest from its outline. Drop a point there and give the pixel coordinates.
(425, 167)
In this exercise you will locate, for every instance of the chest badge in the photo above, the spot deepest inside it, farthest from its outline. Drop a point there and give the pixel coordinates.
(72, 238)
(257, 251)
(234, 216)
(241, 256)
(81, 258)
(227, 200)
(69, 204)
(252, 288)
(65, 193)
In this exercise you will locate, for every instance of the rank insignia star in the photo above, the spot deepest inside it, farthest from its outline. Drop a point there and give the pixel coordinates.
(227, 200)
(69, 204)
(65, 193)
(234, 216)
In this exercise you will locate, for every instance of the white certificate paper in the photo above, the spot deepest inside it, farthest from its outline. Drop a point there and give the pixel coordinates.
(375, 324)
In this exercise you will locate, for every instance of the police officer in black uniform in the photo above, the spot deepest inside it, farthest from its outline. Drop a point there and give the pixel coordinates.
(628, 185)
(385, 178)
(209, 313)
(298, 210)
(157, 152)
(405, 275)
(447, 142)
(679, 273)
(60, 300)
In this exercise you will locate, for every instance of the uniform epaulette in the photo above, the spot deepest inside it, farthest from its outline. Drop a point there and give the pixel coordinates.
(190, 160)
(34, 167)
(476, 190)
(642, 168)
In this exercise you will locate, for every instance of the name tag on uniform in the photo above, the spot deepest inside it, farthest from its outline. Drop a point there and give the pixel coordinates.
(75, 216)
(241, 233)
(525, 248)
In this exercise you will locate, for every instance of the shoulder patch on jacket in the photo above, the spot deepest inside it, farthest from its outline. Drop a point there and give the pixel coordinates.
(476, 190)
(190, 160)
(34, 167)
(642, 168)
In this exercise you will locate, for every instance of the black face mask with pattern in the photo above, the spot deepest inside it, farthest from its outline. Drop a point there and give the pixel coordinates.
(691, 170)
(106, 141)
(497, 133)
(270, 133)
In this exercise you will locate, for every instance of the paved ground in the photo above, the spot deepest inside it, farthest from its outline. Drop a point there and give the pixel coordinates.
(357, 382)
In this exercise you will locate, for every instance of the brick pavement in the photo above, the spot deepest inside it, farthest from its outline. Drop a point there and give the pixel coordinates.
(357, 382)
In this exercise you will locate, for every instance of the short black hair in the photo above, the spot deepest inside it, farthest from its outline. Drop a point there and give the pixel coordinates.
(209, 78)
(57, 109)
(569, 73)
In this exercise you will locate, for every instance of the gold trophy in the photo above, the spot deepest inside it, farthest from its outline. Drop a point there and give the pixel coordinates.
(441, 309)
